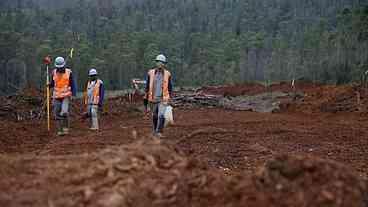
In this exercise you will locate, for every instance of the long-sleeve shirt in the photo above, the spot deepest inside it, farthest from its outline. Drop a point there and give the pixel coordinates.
(101, 93)
(71, 83)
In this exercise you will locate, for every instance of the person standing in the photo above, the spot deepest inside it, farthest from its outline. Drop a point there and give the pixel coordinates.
(63, 90)
(94, 96)
(158, 93)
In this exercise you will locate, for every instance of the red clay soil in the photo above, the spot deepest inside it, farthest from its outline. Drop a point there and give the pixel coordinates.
(147, 173)
(332, 99)
(301, 86)
(37, 167)
(311, 97)
(234, 90)
(257, 88)
(210, 157)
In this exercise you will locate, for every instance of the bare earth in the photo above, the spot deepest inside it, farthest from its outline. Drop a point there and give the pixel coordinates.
(39, 169)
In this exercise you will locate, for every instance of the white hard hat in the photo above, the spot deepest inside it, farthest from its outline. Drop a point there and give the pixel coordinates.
(59, 62)
(92, 72)
(161, 58)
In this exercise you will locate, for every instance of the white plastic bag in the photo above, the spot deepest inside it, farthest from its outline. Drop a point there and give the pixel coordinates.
(169, 118)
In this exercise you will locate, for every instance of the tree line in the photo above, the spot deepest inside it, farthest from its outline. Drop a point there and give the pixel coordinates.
(207, 42)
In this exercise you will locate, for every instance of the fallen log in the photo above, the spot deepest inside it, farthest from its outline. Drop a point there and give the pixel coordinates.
(195, 99)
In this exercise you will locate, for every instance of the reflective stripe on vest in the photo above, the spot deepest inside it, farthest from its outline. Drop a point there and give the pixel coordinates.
(62, 86)
(95, 93)
(165, 85)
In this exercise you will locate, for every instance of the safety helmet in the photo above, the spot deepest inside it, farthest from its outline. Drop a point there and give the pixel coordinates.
(59, 62)
(161, 58)
(92, 72)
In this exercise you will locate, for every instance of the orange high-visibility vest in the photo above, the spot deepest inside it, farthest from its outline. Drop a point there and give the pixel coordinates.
(62, 86)
(95, 93)
(165, 85)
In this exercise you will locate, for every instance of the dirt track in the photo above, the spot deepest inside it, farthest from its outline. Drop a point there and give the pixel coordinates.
(230, 141)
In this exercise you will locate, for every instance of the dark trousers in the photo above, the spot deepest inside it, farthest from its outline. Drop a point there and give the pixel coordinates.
(158, 118)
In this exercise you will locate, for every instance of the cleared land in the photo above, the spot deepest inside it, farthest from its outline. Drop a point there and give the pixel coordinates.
(312, 152)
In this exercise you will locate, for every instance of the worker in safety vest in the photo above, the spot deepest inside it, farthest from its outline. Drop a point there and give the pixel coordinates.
(158, 93)
(63, 89)
(93, 97)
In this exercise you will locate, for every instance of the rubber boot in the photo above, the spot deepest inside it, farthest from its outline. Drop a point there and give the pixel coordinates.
(59, 128)
(94, 123)
(65, 126)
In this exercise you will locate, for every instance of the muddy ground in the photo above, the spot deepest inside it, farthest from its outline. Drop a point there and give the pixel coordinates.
(229, 150)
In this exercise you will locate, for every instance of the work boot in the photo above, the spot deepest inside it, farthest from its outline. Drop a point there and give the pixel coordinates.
(65, 126)
(94, 124)
(156, 136)
(160, 135)
(59, 129)
(60, 132)
(66, 131)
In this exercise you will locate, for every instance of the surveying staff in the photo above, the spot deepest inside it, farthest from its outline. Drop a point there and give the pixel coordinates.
(63, 89)
(93, 98)
(158, 92)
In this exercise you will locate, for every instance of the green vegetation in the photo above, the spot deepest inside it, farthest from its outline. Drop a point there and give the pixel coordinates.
(206, 41)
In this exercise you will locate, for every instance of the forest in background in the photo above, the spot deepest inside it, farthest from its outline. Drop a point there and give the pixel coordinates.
(207, 42)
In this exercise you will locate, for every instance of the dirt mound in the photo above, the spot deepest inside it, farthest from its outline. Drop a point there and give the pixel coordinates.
(153, 174)
(309, 181)
(234, 90)
(140, 174)
(251, 89)
(286, 87)
(345, 98)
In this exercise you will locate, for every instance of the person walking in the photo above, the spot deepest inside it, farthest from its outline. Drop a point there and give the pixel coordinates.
(158, 93)
(93, 98)
(63, 90)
